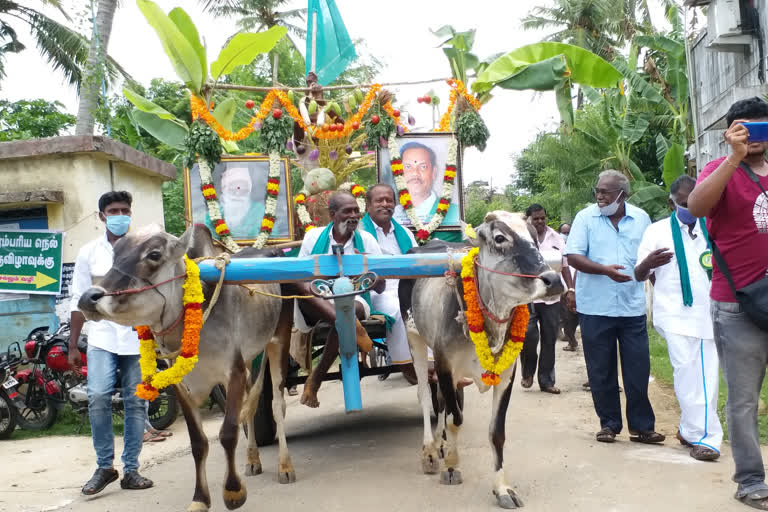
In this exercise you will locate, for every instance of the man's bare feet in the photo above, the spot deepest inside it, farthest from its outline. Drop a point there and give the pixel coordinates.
(309, 397)
(363, 340)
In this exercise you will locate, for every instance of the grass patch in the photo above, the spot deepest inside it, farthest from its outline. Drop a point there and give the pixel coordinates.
(662, 371)
(68, 423)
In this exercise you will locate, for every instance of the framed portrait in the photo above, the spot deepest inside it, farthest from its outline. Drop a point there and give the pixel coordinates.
(241, 188)
(424, 156)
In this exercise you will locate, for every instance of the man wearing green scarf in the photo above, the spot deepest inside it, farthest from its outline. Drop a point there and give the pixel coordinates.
(345, 217)
(674, 253)
(393, 239)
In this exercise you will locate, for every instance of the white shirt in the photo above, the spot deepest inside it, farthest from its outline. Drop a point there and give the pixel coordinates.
(669, 313)
(93, 262)
(310, 239)
(553, 241)
(423, 211)
(388, 244)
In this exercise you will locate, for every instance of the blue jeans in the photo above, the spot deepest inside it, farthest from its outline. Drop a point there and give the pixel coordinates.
(599, 335)
(102, 377)
(743, 351)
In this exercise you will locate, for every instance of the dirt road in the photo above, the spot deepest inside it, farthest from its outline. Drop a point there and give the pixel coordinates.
(370, 461)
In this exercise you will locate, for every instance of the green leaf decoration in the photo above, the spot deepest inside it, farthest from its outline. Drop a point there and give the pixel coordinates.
(243, 48)
(674, 163)
(168, 131)
(224, 113)
(183, 57)
(188, 29)
(143, 104)
(585, 67)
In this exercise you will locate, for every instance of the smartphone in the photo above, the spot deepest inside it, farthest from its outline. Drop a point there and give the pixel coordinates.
(758, 132)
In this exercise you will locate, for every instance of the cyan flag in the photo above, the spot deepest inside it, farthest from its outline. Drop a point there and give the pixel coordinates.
(334, 50)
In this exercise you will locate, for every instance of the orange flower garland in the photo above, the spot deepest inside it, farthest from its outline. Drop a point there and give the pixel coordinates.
(152, 381)
(201, 111)
(493, 365)
(457, 88)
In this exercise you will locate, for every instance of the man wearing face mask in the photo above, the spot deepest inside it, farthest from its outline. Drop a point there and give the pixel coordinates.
(110, 346)
(675, 254)
(602, 246)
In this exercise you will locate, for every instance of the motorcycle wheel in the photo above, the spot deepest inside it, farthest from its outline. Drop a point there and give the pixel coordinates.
(40, 413)
(7, 416)
(164, 409)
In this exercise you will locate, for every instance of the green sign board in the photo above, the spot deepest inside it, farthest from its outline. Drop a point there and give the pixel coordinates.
(30, 261)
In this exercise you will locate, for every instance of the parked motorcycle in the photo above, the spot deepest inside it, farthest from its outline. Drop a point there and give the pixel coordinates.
(9, 398)
(50, 383)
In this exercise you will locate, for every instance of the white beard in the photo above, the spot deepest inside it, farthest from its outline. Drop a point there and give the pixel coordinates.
(234, 211)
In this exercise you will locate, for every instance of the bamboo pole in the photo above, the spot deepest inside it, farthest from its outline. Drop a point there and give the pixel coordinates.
(252, 88)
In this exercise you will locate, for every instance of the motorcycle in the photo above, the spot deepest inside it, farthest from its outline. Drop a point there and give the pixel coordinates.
(50, 383)
(9, 398)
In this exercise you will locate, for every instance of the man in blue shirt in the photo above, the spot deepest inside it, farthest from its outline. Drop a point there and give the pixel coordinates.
(602, 246)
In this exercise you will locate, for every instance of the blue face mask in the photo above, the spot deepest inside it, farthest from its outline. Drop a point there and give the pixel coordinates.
(118, 224)
(684, 215)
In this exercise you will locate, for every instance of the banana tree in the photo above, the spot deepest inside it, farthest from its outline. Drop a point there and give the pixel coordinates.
(188, 56)
(548, 66)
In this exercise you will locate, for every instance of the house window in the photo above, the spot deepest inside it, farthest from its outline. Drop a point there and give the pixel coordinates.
(24, 218)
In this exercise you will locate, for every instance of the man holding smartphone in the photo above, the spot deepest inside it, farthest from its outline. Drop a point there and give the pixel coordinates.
(737, 221)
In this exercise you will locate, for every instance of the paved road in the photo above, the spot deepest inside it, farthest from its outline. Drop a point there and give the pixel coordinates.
(370, 461)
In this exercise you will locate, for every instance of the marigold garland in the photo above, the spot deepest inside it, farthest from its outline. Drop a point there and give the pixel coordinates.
(423, 231)
(152, 380)
(201, 111)
(457, 89)
(270, 201)
(493, 365)
(300, 201)
(212, 203)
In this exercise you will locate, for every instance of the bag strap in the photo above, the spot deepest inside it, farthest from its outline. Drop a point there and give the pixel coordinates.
(754, 177)
(722, 266)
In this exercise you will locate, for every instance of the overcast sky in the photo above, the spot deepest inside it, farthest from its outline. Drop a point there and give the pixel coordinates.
(396, 31)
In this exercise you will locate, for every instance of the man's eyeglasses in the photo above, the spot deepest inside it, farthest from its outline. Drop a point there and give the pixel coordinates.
(604, 191)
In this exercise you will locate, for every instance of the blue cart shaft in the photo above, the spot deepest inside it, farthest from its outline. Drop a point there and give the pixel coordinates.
(345, 328)
(286, 270)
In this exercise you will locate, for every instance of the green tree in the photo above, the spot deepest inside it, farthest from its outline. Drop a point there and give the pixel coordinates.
(32, 119)
(65, 50)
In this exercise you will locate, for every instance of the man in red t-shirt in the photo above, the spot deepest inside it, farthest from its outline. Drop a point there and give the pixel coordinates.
(737, 221)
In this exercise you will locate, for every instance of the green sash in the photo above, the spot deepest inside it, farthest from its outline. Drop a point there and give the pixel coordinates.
(682, 263)
(401, 236)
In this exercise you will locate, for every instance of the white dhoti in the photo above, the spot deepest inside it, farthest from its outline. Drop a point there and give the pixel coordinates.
(696, 374)
(397, 340)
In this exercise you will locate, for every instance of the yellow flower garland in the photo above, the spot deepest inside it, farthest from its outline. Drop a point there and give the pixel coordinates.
(152, 381)
(493, 366)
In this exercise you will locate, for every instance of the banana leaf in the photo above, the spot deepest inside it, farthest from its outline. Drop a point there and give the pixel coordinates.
(143, 104)
(585, 67)
(651, 198)
(564, 103)
(541, 76)
(674, 163)
(168, 131)
(183, 56)
(633, 127)
(187, 27)
(224, 113)
(243, 48)
(662, 146)
(638, 84)
(662, 44)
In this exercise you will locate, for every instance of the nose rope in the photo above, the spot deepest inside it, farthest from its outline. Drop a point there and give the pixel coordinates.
(481, 304)
(131, 291)
(479, 265)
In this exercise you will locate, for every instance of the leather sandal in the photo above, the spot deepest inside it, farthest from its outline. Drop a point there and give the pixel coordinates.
(100, 479)
(135, 481)
(649, 437)
(606, 435)
(756, 500)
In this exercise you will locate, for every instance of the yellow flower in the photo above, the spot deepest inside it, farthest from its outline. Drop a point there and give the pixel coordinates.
(404, 198)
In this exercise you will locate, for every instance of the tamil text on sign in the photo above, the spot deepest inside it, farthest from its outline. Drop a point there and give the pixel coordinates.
(30, 261)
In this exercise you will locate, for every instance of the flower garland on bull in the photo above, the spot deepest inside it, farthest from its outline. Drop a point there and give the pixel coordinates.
(152, 380)
(423, 231)
(493, 364)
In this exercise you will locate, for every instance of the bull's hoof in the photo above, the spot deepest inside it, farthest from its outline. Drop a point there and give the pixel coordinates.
(430, 464)
(508, 500)
(451, 477)
(253, 469)
(197, 506)
(235, 499)
(287, 477)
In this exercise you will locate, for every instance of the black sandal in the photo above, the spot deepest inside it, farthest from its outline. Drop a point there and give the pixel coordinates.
(756, 500)
(135, 481)
(649, 437)
(100, 479)
(606, 435)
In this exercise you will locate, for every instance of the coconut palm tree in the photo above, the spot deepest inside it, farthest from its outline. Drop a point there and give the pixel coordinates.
(257, 15)
(90, 89)
(64, 49)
